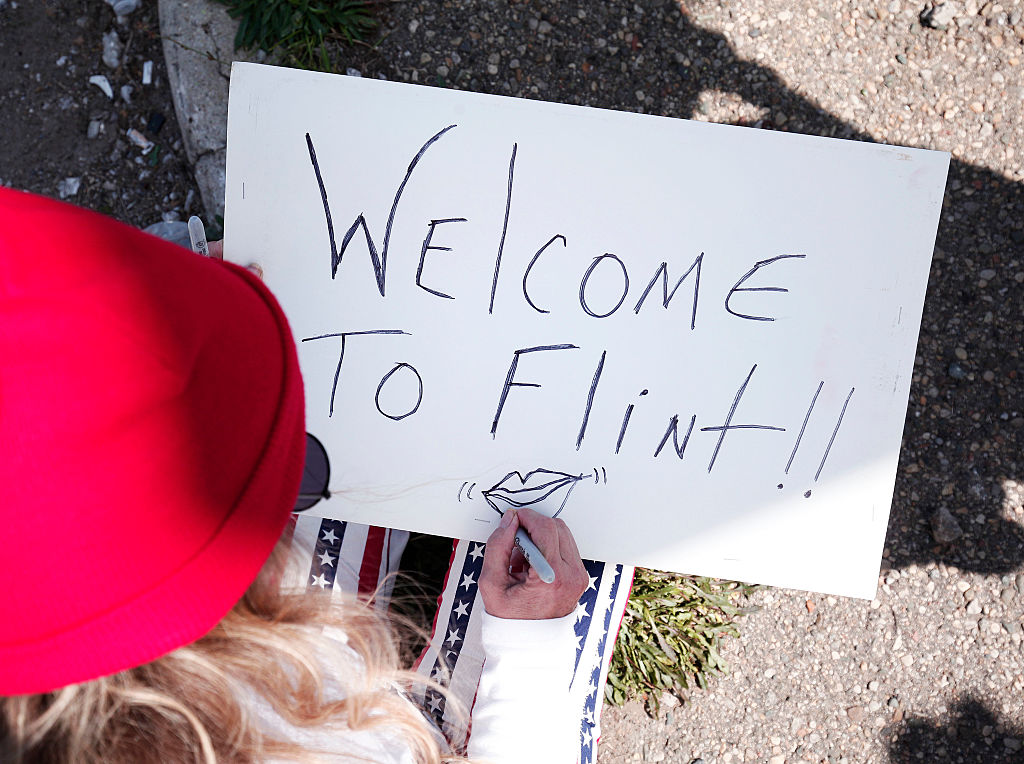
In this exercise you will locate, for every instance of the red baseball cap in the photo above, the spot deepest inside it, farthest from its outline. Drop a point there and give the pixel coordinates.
(151, 442)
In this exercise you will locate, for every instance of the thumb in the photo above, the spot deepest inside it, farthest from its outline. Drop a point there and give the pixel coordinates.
(498, 553)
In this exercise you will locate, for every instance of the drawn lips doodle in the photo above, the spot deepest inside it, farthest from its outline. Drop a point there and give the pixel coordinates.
(516, 490)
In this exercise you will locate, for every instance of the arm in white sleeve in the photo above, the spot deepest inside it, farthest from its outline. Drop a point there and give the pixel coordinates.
(522, 710)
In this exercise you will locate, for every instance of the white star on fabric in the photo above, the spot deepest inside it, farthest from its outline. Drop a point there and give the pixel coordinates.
(450, 654)
(467, 581)
(592, 584)
(579, 639)
(478, 552)
(588, 739)
(320, 581)
(453, 636)
(329, 536)
(435, 704)
(581, 612)
(326, 559)
(462, 610)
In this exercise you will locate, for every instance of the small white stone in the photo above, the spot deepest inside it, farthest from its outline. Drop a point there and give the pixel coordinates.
(68, 187)
(112, 49)
(103, 84)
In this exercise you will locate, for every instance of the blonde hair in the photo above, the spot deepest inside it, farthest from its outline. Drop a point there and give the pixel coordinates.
(190, 706)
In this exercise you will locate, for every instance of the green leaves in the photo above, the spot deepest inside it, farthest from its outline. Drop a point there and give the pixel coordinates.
(671, 635)
(298, 29)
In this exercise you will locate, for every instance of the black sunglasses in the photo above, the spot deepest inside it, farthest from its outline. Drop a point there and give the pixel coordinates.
(315, 475)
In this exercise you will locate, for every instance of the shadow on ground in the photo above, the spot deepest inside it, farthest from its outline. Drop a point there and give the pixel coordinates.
(972, 736)
(965, 419)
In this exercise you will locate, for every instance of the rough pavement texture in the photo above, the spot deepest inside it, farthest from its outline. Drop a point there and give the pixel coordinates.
(65, 137)
(198, 38)
(933, 670)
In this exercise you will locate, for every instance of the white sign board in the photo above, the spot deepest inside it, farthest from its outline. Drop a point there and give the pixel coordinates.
(692, 342)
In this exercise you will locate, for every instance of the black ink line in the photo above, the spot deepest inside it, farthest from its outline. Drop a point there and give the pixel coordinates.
(383, 381)
(625, 422)
(337, 373)
(622, 430)
(341, 355)
(595, 475)
(353, 334)
(530, 494)
(379, 262)
(469, 493)
(719, 428)
(666, 295)
(398, 195)
(586, 278)
(512, 372)
(464, 484)
(803, 427)
(504, 227)
(590, 399)
(736, 287)
(728, 419)
(533, 262)
(834, 432)
(428, 246)
(604, 475)
(327, 209)
(673, 430)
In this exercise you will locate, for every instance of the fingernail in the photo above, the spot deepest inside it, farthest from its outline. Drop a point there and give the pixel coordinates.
(506, 519)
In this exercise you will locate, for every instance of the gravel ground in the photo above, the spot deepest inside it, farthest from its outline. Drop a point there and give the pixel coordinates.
(933, 669)
(64, 137)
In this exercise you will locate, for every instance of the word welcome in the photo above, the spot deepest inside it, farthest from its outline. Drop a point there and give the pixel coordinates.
(677, 430)
(607, 261)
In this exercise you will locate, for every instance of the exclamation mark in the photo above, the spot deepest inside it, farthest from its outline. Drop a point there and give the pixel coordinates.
(803, 427)
(834, 432)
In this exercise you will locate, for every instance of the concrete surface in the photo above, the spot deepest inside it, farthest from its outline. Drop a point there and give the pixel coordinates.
(198, 38)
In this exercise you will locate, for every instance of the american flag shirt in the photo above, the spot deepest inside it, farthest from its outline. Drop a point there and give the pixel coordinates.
(350, 558)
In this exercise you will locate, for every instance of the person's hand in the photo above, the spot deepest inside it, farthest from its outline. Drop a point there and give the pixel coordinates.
(512, 589)
(216, 249)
